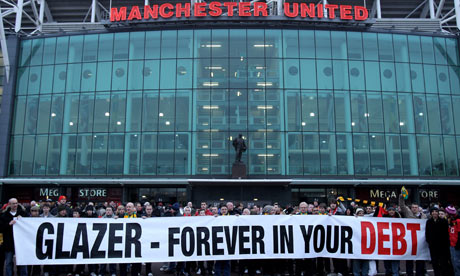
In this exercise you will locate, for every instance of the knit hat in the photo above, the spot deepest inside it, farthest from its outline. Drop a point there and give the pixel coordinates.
(89, 208)
(434, 209)
(60, 208)
(175, 206)
(359, 210)
(35, 208)
(62, 197)
(451, 210)
(267, 209)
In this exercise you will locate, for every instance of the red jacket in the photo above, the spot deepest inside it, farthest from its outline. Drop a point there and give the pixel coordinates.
(454, 230)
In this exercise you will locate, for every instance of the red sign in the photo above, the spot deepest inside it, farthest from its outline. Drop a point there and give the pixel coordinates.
(244, 9)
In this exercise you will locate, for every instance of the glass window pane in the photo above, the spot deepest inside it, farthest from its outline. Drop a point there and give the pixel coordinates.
(308, 73)
(133, 149)
(152, 44)
(121, 47)
(326, 111)
(424, 154)
(311, 143)
(104, 76)
(101, 112)
(274, 72)
(36, 52)
(355, 45)
(401, 48)
(450, 150)
(117, 112)
(220, 43)
(119, 75)
(60, 76)
(437, 155)
(62, 48)
(185, 73)
(90, 48)
(309, 111)
(257, 110)
(456, 103)
(73, 77)
(136, 45)
(416, 75)
(403, 77)
(257, 153)
(86, 112)
(377, 153)
(443, 79)
(385, 47)
(88, 80)
(19, 115)
(324, 69)
(185, 44)
(356, 73)
(446, 114)
(387, 71)
(393, 154)
(323, 44)
(328, 154)
(15, 155)
(151, 73)
(290, 44)
(359, 112)
(342, 111)
(307, 43)
(409, 154)
(374, 106)
(237, 43)
(295, 164)
(165, 153)
(339, 45)
(134, 111)
(184, 109)
(30, 124)
(238, 111)
(361, 154)
(168, 44)
(167, 108)
(116, 149)
(256, 73)
(181, 155)
(238, 73)
(256, 43)
(291, 73)
(430, 78)
(370, 46)
(135, 78)
(70, 113)
(34, 80)
(168, 74)
(44, 114)
(390, 107)
(452, 51)
(69, 146)
(150, 111)
(406, 113)
(294, 112)
(149, 153)
(46, 82)
(427, 49)
(203, 152)
(99, 157)
(415, 51)
(105, 50)
(273, 44)
(345, 154)
(27, 158)
(41, 143)
(341, 75)
(75, 49)
(440, 50)
(433, 114)
(83, 154)
(54, 152)
(372, 76)
(22, 81)
(454, 74)
(24, 58)
(203, 44)
(57, 115)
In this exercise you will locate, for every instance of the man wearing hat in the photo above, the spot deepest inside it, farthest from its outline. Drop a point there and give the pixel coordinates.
(437, 237)
(454, 235)
(61, 202)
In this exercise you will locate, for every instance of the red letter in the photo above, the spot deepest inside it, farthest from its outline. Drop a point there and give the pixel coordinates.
(244, 8)
(331, 9)
(230, 6)
(199, 9)
(383, 237)
(304, 10)
(364, 249)
(361, 13)
(164, 13)
(185, 10)
(398, 232)
(135, 14)
(151, 12)
(260, 7)
(345, 12)
(295, 9)
(215, 9)
(320, 10)
(413, 228)
(116, 15)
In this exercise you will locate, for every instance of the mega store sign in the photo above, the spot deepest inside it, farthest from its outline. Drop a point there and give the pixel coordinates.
(237, 9)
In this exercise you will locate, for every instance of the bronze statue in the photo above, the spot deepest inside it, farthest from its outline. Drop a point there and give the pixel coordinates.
(240, 147)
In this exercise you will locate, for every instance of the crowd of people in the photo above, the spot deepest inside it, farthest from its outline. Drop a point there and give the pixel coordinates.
(442, 236)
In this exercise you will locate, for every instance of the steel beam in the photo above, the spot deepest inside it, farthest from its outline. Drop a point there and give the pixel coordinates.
(19, 9)
(379, 9)
(440, 7)
(6, 57)
(457, 12)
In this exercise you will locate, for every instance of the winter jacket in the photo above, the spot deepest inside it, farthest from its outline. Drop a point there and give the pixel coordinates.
(437, 234)
(406, 211)
(454, 233)
(7, 229)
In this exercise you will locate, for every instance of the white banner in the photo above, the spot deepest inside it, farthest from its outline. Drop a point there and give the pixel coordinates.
(93, 241)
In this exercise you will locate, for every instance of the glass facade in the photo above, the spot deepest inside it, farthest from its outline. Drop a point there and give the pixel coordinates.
(170, 102)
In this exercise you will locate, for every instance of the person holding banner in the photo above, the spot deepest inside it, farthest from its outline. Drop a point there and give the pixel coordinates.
(360, 267)
(222, 268)
(454, 235)
(136, 267)
(437, 237)
(8, 219)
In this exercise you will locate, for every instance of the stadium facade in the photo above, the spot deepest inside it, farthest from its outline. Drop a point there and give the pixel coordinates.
(142, 101)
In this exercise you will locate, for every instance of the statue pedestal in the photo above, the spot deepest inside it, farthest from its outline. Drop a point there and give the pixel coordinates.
(238, 170)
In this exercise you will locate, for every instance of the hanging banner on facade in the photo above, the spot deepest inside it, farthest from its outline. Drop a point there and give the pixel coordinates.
(92, 241)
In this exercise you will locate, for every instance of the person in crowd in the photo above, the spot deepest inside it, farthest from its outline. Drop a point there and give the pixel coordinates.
(303, 207)
(323, 265)
(204, 206)
(231, 209)
(214, 211)
(46, 211)
(185, 268)
(139, 209)
(454, 237)
(61, 202)
(391, 266)
(437, 237)
(304, 266)
(412, 212)
(34, 270)
(7, 220)
(222, 268)
(89, 212)
(109, 214)
(442, 214)
(338, 209)
(131, 212)
(360, 267)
